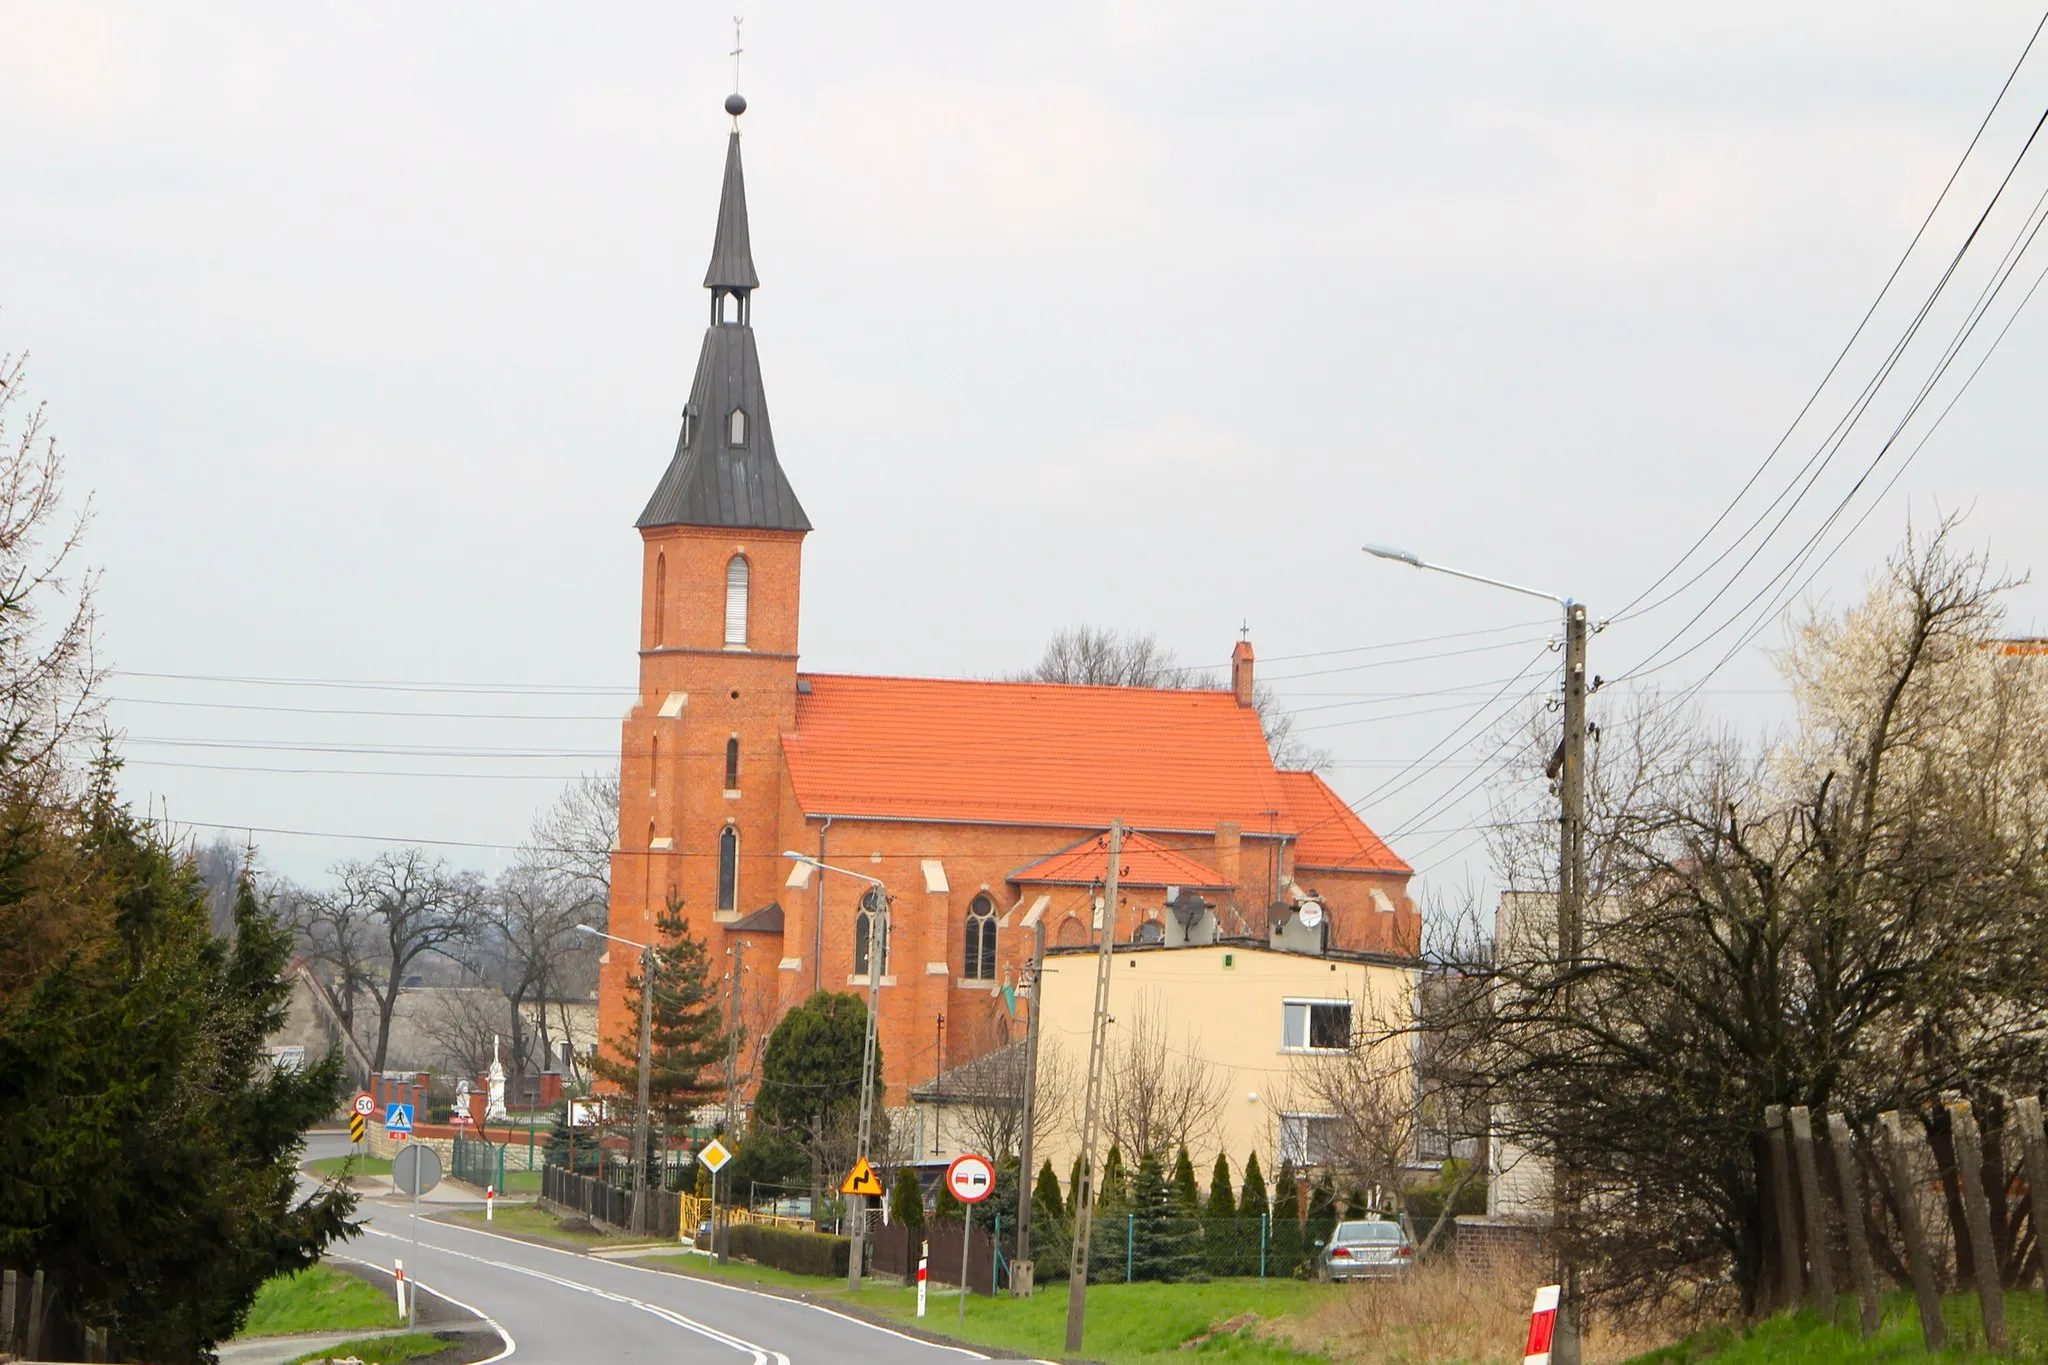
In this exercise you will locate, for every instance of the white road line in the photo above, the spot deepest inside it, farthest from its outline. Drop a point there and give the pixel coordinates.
(719, 1284)
(486, 1318)
(761, 1354)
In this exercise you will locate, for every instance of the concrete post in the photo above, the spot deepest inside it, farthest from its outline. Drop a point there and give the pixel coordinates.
(1977, 1213)
(1820, 1268)
(1933, 1331)
(1861, 1272)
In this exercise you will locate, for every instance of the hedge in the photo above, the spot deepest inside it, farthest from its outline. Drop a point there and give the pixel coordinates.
(800, 1253)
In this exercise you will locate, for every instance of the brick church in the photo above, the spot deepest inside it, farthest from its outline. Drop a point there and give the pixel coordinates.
(982, 806)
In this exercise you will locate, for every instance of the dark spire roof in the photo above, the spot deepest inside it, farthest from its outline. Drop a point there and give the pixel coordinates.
(732, 254)
(715, 479)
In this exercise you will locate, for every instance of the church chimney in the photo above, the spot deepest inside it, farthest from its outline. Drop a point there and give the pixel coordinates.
(1241, 672)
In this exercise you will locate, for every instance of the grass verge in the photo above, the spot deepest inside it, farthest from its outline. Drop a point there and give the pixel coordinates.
(318, 1299)
(354, 1165)
(1808, 1339)
(533, 1221)
(380, 1350)
(742, 1272)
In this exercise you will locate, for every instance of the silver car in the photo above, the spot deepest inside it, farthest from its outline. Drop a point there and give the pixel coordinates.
(1368, 1249)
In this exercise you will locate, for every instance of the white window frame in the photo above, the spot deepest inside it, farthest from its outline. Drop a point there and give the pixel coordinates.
(739, 575)
(1307, 1005)
(736, 427)
(1296, 1139)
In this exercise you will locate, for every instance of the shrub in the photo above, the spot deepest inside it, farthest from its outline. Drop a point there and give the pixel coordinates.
(800, 1253)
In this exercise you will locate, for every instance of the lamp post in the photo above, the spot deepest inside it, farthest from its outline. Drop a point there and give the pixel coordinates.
(640, 1123)
(876, 902)
(1569, 768)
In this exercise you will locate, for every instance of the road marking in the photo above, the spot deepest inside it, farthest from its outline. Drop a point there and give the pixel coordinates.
(761, 1354)
(486, 1318)
(716, 1284)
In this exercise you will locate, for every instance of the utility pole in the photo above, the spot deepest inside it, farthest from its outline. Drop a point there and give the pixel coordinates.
(646, 1064)
(1084, 1198)
(1571, 931)
(877, 901)
(1030, 1092)
(732, 1078)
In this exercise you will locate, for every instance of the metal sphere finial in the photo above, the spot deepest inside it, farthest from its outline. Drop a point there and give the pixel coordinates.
(735, 104)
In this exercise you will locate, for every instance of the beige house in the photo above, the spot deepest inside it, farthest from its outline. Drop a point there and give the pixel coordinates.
(1220, 1046)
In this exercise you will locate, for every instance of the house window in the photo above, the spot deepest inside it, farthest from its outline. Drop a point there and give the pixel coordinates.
(728, 868)
(736, 428)
(736, 600)
(1308, 1139)
(981, 940)
(865, 926)
(660, 595)
(732, 764)
(1315, 1025)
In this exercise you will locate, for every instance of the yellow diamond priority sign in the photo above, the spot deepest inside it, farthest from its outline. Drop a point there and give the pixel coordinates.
(714, 1156)
(862, 1180)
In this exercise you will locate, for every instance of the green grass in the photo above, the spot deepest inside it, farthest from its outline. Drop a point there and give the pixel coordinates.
(318, 1299)
(531, 1220)
(521, 1182)
(1807, 1339)
(1128, 1324)
(380, 1350)
(356, 1165)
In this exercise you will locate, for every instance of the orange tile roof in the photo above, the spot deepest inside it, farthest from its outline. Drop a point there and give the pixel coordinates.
(1145, 862)
(1332, 835)
(1061, 755)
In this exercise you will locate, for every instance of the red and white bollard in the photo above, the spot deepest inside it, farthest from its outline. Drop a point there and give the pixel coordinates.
(1542, 1326)
(490, 1200)
(924, 1261)
(398, 1284)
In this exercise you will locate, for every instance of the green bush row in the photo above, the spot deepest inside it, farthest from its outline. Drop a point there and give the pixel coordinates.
(800, 1253)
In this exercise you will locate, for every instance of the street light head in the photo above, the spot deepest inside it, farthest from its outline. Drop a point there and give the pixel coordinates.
(589, 929)
(1389, 552)
(792, 853)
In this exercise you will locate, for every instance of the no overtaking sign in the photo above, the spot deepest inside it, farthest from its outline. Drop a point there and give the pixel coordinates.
(971, 1178)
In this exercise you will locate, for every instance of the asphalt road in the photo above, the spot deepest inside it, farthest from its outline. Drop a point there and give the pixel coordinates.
(565, 1308)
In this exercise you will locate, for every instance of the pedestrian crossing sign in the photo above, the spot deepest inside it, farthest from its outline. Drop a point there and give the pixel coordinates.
(398, 1120)
(862, 1180)
(357, 1126)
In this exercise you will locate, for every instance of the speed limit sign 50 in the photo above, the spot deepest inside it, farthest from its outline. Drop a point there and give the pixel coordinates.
(971, 1178)
(365, 1105)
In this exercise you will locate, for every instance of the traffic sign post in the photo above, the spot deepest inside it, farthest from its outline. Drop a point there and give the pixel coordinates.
(715, 1155)
(971, 1178)
(415, 1170)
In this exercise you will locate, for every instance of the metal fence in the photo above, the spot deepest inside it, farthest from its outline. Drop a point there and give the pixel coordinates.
(1128, 1246)
(478, 1163)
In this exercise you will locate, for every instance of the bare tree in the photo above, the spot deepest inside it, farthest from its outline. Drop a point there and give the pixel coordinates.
(572, 841)
(984, 1098)
(338, 934)
(1159, 1094)
(529, 920)
(416, 906)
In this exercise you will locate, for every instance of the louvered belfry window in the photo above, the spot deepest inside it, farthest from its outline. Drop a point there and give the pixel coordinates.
(736, 600)
(736, 428)
(981, 940)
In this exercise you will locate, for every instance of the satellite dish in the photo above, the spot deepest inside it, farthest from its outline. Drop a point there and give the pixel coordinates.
(1311, 914)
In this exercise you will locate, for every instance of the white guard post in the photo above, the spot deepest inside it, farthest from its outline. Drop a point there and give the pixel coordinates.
(1542, 1326)
(924, 1262)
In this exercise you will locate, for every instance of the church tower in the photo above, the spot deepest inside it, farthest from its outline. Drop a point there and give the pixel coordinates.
(700, 770)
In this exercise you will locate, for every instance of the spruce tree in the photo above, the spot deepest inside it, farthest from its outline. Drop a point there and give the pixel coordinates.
(1253, 1213)
(1109, 1242)
(1045, 1194)
(1284, 1255)
(906, 1202)
(1187, 1199)
(1222, 1236)
(686, 1030)
(1051, 1230)
(1163, 1244)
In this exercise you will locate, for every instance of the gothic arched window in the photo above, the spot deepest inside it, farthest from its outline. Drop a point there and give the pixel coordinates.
(736, 428)
(981, 940)
(660, 596)
(732, 764)
(736, 600)
(866, 924)
(728, 868)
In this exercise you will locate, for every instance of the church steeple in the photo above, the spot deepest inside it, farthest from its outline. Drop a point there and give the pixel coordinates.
(724, 472)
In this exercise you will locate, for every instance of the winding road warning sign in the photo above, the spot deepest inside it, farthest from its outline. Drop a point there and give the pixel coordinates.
(862, 1180)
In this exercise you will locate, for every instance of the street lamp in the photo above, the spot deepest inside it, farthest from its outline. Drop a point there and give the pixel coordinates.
(1569, 768)
(877, 900)
(640, 1124)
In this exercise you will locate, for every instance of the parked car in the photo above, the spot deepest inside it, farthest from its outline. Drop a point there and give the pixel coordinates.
(1367, 1249)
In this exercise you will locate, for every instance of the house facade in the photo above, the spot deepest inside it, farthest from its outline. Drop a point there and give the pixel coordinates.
(975, 804)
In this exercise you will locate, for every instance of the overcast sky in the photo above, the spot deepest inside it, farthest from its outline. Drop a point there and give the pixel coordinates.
(368, 328)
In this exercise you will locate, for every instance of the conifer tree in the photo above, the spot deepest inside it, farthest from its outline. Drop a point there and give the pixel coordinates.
(1045, 1194)
(1052, 1230)
(1109, 1241)
(687, 1034)
(1223, 1238)
(1251, 1200)
(1187, 1199)
(1254, 1216)
(1284, 1257)
(945, 1205)
(1322, 1215)
(906, 1203)
(1163, 1241)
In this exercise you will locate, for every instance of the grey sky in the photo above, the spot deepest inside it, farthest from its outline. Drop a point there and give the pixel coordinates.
(369, 329)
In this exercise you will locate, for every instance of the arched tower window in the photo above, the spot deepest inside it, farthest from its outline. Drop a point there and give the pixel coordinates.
(866, 924)
(732, 764)
(660, 596)
(654, 766)
(981, 940)
(736, 600)
(728, 868)
(736, 428)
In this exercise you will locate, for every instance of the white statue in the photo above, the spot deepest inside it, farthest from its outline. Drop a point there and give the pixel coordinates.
(494, 1105)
